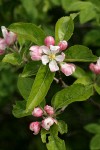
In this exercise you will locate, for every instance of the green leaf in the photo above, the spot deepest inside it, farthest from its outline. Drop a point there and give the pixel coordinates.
(79, 72)
(80, 53)
(40, 87)
(92, 38)
(93, 128)
(97, 84)
(64, 29)
(19, 109)
(29, 32)
(95, 142)
(24, 86)
(84, 80)
(62, 127)
(44, 135)
(66, 4)
(75, 92)
(87, 15)
(30, 69)
(13, 59)
(55, 143)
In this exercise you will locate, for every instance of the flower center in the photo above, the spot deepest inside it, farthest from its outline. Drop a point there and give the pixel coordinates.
(52, 56)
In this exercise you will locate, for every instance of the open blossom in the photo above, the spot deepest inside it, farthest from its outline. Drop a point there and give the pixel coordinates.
(50, 56)
(47, 123)
(49, 40)
(35, 127)
(37, 112)
(35, 53)
(67, 68)
(9, 37)
(49, 110)
(95, 67)
(2, 46)
(63, 45)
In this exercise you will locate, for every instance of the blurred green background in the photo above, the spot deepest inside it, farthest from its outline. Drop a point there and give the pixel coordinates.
(14, 133)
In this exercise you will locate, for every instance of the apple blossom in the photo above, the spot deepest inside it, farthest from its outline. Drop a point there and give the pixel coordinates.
(49, 40)
(35, 127)
(37, 112)
(2, 46)
(67, 68)
(35, 53)
(47, 123)
(49, 110)
(95, 67)
(9, 37)
(63, 45)
(50, 56)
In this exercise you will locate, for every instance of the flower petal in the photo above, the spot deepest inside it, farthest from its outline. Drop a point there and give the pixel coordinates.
(54, 49)
(53, 66)
(45, 59)
(60, 58)
(45, 49)
(98, 62)
(4, 31)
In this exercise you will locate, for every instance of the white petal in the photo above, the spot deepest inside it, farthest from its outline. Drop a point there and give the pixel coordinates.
(60, 58)
(53, 66)
(98, 62)
(54, 49)
(45, 50)
(45, 59)
(4, 31)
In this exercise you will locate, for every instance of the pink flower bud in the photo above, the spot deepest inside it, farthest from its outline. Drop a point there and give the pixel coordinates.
(49, 110)
(37, 112)
(67, 69)
(35, 53)
(95, 67)
(49, 40)
(35, 127)
(9, 37)
(47, 123)
(2, 46)
(63, 45)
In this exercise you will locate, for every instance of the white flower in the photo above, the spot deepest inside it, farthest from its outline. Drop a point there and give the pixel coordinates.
(50, 56)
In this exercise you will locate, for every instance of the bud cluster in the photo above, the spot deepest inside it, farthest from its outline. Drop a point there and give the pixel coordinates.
(53, 55)
(8, 39)
(47, 114)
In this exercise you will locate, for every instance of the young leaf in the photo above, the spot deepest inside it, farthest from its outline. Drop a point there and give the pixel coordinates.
(30, 69)
(55, 143)
(80, 53)
(19, 109)
(97, 84)
(95, 142)
(24, 86)
(40, 87)
(93, 128)
(84, 80)
(29, 32)
(64, 29)
(62, 127)
(13, 59)
(75, 92)
(44, 135)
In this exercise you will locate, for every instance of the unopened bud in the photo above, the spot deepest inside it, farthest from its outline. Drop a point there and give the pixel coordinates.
(49, 40)
(49, 110)
(35, 127)
(37, 112)
(63, 45)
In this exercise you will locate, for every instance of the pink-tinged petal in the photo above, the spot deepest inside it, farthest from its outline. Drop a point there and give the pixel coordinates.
(35, 127)
(10, 38)
(67, 69)
(35, 52)
(45, 59)
(60, 58)
(2, 52)
(53, 66)
(45, 50)
(49, 110)
(49, 40)
(4, 31)
(2, 44)
(37, 112)
(63, 45)
(47, 123)
(94, 68)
